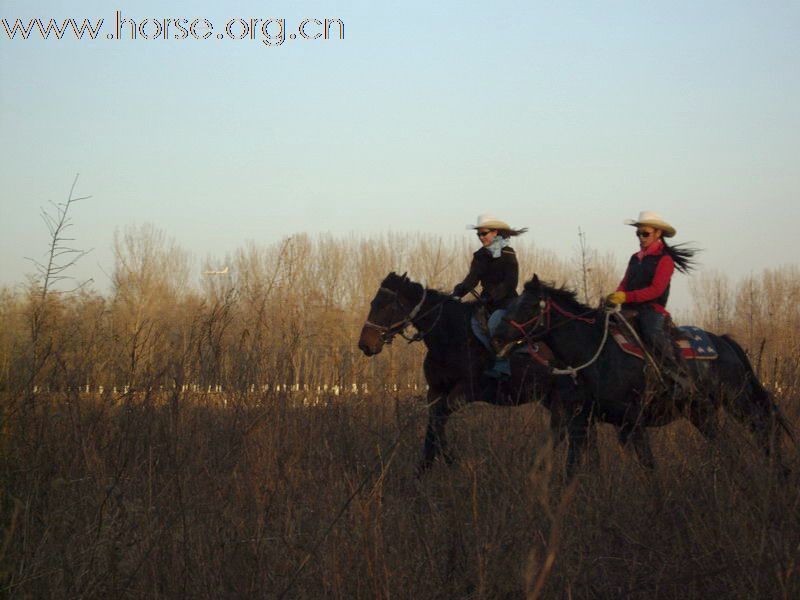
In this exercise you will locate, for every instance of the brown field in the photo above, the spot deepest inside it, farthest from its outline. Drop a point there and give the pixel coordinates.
(179, 494)
(174, 496)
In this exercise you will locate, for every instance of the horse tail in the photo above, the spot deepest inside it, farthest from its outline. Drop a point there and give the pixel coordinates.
(761, 393)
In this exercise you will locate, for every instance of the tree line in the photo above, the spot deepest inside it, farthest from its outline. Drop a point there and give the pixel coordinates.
(290, 312)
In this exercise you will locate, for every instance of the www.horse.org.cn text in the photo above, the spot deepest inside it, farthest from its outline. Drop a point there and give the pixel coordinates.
(269, 31)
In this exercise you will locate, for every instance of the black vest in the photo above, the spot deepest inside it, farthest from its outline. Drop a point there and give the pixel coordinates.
(641, 273)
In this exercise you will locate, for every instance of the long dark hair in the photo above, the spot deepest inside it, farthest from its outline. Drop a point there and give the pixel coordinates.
(683, 255)
(507, 233)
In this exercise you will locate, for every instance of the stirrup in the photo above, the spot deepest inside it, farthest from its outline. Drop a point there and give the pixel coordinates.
(678, 383)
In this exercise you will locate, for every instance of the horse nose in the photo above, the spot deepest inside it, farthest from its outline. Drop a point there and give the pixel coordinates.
(364, 347)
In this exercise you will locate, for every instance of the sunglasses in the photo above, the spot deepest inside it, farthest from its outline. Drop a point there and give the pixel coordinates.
(485, 233)
(644, 234)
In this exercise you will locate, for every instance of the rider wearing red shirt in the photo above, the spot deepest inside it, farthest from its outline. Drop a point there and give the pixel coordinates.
(646, 284)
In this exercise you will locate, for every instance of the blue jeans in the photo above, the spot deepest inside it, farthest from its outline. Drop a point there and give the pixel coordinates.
(651, 324)
(501, 366)
(494, 320)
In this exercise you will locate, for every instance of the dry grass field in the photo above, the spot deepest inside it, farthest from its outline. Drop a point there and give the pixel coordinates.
(255, 494)
(178, 496)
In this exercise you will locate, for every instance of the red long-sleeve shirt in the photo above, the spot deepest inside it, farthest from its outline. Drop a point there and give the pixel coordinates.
(661, 279)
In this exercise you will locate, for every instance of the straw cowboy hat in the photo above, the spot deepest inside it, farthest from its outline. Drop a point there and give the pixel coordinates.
(652, 219)
(489, 222)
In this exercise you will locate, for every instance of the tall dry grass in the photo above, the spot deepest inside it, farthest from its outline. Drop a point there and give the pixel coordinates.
(174, 497)
(163, 492)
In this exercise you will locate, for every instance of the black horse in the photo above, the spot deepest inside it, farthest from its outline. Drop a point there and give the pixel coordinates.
(455, 360)
(616, 385)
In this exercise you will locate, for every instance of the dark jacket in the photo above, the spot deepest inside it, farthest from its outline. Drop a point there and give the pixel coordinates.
(647, 280)
(498, 277)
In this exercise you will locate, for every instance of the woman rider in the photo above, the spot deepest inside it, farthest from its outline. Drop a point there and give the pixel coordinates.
(645, 286)
(495, 267)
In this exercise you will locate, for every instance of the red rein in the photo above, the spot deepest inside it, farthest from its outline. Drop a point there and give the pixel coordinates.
(545, 312)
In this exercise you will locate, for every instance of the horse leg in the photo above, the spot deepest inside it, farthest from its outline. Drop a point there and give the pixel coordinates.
(750, 402)
(704, 416)
(639, 440)
(435, 440)
(578, 430)
(752, 406)
(558, 429)
(559, 402)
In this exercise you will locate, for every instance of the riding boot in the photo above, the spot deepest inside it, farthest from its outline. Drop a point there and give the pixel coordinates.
(673, 370)
(682, 385)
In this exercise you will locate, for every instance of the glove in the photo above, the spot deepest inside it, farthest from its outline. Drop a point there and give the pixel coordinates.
(456, 297)
(616, 298)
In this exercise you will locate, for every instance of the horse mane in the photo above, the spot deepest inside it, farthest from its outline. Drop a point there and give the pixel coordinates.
(563, 295)
(399, 283)
(453, 316)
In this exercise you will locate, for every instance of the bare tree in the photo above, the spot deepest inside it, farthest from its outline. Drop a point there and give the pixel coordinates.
(584, 262)
(150, 278)
(60, 257)
(713, 299)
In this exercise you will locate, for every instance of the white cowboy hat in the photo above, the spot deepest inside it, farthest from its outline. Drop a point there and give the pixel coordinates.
(489, 222)
(652, 219)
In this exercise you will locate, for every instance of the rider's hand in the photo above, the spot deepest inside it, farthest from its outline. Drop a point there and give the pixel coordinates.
(456, 297)
(616, 298)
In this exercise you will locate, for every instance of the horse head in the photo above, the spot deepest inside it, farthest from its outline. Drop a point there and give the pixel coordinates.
(396, 302)
(539, 310)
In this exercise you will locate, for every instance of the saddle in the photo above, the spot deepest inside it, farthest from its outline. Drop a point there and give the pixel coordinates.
(539, 352)
(688, 342)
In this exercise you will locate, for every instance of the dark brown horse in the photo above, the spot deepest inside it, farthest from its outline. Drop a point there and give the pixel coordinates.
(615, 382)
(455, 360)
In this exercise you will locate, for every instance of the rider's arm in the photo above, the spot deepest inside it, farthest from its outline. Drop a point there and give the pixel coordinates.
(624, 282)
(471, 280)
(661, 279)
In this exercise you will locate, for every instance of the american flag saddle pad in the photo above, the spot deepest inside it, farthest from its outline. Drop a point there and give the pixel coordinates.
(693, 342)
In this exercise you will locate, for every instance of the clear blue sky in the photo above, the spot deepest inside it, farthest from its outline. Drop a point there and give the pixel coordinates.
(552, 115)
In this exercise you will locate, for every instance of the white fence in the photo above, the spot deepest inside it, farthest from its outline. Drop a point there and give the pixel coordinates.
(354, 389)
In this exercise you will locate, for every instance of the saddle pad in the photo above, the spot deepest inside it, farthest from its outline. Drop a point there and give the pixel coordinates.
(623, 342)
(696, 344)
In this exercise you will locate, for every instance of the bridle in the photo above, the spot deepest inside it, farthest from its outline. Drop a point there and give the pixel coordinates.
(387, 332)
(542, 321)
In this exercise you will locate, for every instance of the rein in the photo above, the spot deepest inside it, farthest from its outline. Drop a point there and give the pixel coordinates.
(419, 336)
(545, 316)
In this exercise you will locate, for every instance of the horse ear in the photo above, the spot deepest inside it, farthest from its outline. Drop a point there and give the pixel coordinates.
(403, 276)
(534, 284)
